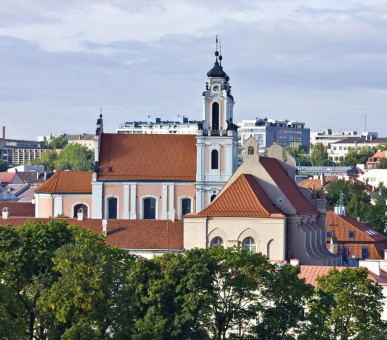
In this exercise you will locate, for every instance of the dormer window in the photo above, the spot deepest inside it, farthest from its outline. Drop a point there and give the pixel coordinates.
(110, 168)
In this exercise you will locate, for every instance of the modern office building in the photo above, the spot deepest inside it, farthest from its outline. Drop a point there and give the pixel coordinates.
(327, 137)
(265, 131)
(180, 125)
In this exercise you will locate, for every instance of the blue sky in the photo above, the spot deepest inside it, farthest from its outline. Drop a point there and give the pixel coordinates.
(320, 62)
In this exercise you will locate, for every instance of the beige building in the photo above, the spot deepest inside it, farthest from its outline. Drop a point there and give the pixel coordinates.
(263, 209)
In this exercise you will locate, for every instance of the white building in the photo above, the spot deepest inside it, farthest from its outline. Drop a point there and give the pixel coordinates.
(180, 125)
(327, 137)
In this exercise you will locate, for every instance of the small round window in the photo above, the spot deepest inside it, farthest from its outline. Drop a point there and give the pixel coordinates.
(217, 241)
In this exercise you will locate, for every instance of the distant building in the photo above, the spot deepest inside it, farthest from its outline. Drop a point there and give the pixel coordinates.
(327, 137)
(181, 125)
(374, 161)
(338, 150)
(84, 139)
(16, 152)
(265, 131)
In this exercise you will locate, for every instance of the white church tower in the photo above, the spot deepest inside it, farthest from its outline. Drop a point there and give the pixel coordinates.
(217, 139)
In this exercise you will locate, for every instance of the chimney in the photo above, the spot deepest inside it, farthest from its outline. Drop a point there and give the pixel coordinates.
(80, 214)
(385, 254)
(104, 227)
(45, 175)
(294, 262)
(5, 213)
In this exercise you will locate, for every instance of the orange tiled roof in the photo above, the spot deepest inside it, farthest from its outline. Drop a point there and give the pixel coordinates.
(68, 182)
(310, 273)
(380, 154)
(126, 234)
(18, 208)
(7, 177)
(243, 198)
(309, 182)
(288, 187)
(148, 157)
(341, 221)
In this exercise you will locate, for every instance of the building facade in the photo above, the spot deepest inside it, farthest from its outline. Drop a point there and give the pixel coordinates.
(180, 125)
(266, 131)
(327, 137)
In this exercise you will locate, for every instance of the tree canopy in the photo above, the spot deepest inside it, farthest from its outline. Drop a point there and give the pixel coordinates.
(319, 155)
(3, 165)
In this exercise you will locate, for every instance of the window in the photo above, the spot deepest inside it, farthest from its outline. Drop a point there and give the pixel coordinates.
(215, 116)
(213, 197)
(80, 206)
(217, 241)
(214, 159)
(364, 252)
(185, 206)
(112, 207)
(149, 208)
(249, 243)
(329, 234)
(351, 234)
(251, 150)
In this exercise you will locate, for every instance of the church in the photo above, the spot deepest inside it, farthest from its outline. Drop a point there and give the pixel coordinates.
(187, 190)
(153, 176)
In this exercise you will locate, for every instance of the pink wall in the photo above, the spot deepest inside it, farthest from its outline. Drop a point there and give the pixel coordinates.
(46, 207)
(153, 190)
(115, 190)
(69, 202)
(222, 153)
(184, 190)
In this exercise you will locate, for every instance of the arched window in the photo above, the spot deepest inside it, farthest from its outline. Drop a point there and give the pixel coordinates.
(185, 206)
(80, 206)
(217, 241)
(214, 159)
(251, 150)
(149, 208)
(213, 197)
(249, 244)
(215, 116)
(112, 207)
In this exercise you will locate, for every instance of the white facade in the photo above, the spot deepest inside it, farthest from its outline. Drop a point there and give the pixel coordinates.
(374, 177)
(328, 136)
(181, 125)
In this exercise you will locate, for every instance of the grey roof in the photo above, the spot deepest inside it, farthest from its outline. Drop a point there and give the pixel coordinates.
(361, 140)
(83, 136)
(33, 176)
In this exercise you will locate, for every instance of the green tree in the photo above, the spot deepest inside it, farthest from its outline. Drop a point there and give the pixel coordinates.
(299, 153)
(319, 155)
(382, 163)
(57, 143)
(47, 158)
(285, 298)
(358, 302)
(3, 165)
(75, 157)
(381, 147)
(357, 155)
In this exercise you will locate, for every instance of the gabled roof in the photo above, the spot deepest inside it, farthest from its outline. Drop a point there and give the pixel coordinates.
(310, 182)
(126, 234)
(379, 154)
(243, 198)
(288, 187)
(68, 182)
(7, 177)
(26, 209)
(148, 157)
(361, 140)
(341, 221)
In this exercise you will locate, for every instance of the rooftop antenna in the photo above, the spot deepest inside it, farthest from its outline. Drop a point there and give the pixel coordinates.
(220, 53)
(101, 112)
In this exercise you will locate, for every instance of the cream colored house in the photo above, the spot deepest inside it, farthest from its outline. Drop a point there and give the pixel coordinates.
(263, 209)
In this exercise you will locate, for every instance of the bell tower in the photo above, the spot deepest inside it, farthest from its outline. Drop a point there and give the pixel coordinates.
(217, 139)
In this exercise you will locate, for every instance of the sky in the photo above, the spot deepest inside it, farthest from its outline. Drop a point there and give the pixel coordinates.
(319, 62)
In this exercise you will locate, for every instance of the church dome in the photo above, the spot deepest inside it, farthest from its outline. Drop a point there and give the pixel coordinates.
(217, 71)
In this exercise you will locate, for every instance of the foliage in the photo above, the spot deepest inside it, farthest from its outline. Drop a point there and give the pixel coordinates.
(47, 158)
(382, 163)
(351, 192)
(357, 155)
(75, 157)
(381, 147)
(358, 302)
(57, 143)
(286, 295)
(3, 165)
(299, 153)
(319, 155)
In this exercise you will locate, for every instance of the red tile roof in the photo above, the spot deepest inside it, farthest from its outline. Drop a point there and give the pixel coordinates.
(7, 177)
(243, 198)
(310, 182)
(18, 208)
(288, 187)
(148, 157)
(68, 182)
(127, 234)
(380, 154)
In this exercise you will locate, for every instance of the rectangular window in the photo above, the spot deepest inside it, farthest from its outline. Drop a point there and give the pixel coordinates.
(329, 234)
(351, 234)
(364, 252)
